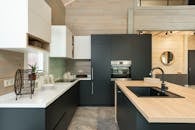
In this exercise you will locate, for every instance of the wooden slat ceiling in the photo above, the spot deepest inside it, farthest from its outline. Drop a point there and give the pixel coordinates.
(67, 2)
(86, 17)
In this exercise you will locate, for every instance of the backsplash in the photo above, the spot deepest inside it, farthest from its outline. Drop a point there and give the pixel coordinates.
(57, 67)
(9, 63)
(74, 66)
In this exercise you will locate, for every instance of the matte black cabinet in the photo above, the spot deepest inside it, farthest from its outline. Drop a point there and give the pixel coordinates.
(125, 114)
(87, 98)
(60, 113)
(56, 116)
(191, 2)
(105, 48)
(136, 48)
(100, 61)
(129, 118)
(86, 94)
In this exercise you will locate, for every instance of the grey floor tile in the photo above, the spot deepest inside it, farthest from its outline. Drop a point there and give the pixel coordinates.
(93, 118)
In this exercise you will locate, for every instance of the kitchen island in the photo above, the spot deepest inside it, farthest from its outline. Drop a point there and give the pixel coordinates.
(152, 113)
(51, 108)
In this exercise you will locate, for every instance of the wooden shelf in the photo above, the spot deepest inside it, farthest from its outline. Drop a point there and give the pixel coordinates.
(38, 43)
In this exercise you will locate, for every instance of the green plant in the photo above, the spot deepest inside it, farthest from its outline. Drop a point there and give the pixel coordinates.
(33, 67)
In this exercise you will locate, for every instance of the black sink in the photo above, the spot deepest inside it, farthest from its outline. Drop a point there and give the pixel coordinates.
(152, 92)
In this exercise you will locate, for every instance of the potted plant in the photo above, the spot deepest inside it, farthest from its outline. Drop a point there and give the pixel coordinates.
(33, 76)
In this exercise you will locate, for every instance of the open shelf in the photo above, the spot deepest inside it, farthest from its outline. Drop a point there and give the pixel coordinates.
(38, 43)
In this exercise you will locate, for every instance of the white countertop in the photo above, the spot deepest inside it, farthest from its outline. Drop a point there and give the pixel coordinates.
(88, 78)
(42, 97)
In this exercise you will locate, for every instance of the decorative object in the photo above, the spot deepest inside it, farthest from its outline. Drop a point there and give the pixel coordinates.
(24, 82)
(167, 58)
(33, 76)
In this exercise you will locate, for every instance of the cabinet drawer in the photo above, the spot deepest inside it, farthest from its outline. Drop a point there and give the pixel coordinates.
(54, 112)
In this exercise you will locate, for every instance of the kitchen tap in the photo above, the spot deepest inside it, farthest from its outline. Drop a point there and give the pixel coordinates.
(163, 87)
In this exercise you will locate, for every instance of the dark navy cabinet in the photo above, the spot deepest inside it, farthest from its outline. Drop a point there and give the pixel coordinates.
(125, 113)
(100, 62)
(86, 94)
(191, 2)
(136, 48)
(56, 116)
(129, 118)
(60, 112)
(105, 48)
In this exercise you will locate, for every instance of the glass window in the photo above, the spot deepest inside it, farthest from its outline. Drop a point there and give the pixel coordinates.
(40, 59)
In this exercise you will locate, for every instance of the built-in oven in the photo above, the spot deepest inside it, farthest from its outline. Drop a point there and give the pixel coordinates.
(121, 70)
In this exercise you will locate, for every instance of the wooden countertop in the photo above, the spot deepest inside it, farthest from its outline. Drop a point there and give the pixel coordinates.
(163, 110)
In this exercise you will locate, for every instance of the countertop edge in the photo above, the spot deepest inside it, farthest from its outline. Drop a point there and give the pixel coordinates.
(41, 105)
(133, 99)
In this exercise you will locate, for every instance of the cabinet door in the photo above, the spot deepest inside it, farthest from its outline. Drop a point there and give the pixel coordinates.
(126, 113)
(101, 60)
(61, 42)
(60, 112)
(39, 19)
(82, 47)
(121, 47)
(136, 48)
(86, 94)
(141, 56)
(120, 110)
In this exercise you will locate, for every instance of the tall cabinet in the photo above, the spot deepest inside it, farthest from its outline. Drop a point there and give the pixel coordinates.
(105, 48)
(103, 92)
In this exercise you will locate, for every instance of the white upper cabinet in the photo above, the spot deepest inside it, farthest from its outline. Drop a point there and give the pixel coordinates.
(82, 47)
(22, 17)
(61, 42)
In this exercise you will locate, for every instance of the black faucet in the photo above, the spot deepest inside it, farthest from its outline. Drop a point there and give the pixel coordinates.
(163, 87)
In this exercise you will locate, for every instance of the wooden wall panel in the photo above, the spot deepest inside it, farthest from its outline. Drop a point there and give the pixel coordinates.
(85, 17)
(164, 18)
(9, 63)
(58, 12)
(173, 43)
(191, 42)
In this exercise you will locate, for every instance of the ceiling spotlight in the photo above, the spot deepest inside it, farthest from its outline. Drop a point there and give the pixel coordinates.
(141, 32)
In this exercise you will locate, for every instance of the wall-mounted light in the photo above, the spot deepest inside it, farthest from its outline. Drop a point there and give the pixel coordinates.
(141, 32)
(168, 32)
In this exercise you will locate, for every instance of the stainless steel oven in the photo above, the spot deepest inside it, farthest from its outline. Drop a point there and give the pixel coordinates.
(121, 70)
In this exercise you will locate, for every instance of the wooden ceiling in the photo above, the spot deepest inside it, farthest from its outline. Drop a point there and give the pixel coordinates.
(86, 17)
(67, 2)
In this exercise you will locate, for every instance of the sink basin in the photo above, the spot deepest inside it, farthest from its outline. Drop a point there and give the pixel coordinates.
(148, 91)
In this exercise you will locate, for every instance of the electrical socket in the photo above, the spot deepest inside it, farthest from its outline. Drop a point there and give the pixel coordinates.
(8, 82)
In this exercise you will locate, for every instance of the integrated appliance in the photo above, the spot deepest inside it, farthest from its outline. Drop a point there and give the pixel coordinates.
(121, 70)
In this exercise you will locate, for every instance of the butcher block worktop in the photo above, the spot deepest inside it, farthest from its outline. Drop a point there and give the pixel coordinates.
(162, 110)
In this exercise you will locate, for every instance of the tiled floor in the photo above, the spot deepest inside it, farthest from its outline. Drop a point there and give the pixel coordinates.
(93, 118)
